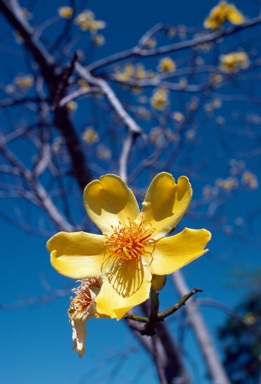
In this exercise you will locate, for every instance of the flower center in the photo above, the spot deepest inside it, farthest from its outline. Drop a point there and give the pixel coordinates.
(128, 242)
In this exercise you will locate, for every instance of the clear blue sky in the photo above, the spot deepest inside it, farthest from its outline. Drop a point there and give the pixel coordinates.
(35, 340)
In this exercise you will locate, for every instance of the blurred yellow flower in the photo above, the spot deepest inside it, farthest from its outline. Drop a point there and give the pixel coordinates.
(124, 74)
(132, 246)
(151, 43)
(159, 99)
(90, 136)
(83, 307)
(178, 116)
(166, 65)
(250, 180)
(103, 152)
(71, 106)
(24, 82)
(191, 134)
(228, 183)
(131, 72)
(234, 61)
(249, 319)
(65, 12)
(83, 84)
(26, 14)
(223, 12)
(98, 39)
(86, 21)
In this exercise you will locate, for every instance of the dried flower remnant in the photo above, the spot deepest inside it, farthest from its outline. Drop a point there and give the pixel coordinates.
(223, 12)
(83, 307)
(133, 245)
(65, 12)
(233, 62)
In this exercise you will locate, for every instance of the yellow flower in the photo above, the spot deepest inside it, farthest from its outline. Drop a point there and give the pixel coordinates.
(227, 184)
(223, 12)
(86, 21)
(83, 307)
(65, 12)
(159, 99)
(98, 40)
(178, 116)
(90, 135)
(166, 65)
(133, 246)
(124, 74)
(234, 61)
(71, 106)
(24, 82)
(250, 180)
(103, 152)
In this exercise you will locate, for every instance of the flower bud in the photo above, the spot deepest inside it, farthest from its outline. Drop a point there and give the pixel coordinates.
(158, 282)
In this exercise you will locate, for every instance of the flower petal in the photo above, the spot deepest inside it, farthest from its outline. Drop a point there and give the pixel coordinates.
(77, 254)
(79, 335)
(114, 304)
(108, 201)
(172, 253)
(165, 203)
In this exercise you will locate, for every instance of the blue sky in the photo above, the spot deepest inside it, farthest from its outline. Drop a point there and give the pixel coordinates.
(35, 340)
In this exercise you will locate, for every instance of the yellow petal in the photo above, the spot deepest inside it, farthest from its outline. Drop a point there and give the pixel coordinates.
(233, 15)
(77, 254)
(114, 305)
(165, 203)
(172, 253)
(108, 201)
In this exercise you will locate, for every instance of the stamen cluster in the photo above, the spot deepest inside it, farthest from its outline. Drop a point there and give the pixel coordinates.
(128, 241)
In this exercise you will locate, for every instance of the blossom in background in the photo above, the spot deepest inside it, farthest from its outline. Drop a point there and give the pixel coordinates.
(83, 307)
(159, 99)
(86, 21)
(65, 12)
(234, 61)
(223, 12)
(98, 39)
(26, 14)
(133, 246)
(166, 64)
(24, 82)
(103, 152)
(124, 74)
(132, 72)
(249, 179)
(90, 136)
(178, 117)
(227, 184)
(71, 106)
